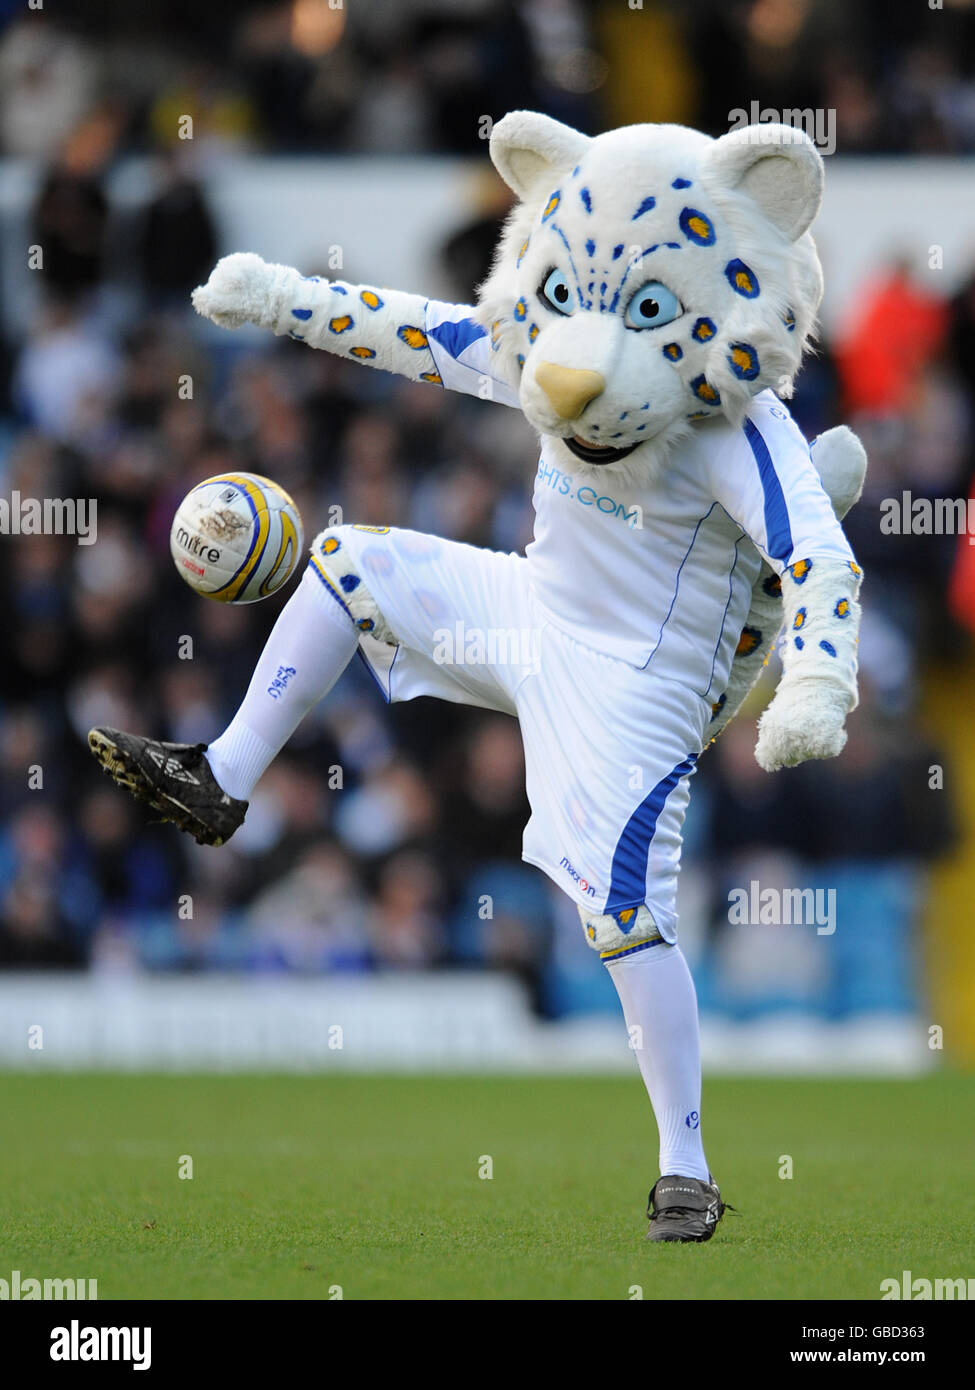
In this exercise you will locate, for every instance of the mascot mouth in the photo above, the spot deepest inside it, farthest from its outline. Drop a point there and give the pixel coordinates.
(596, 453)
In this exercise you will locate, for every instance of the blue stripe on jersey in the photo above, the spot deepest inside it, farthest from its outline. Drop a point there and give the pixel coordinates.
(628, 886)
(778, 532)
(456, 337)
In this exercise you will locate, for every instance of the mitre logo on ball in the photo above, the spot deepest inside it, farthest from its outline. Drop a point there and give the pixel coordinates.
(236, 538)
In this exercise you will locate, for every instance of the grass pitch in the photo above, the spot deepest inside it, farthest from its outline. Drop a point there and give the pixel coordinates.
(304, 1183)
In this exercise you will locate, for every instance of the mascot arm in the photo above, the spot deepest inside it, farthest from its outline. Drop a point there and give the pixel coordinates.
(841, 462)
(818, 686)
(785, 509)
(383, 328)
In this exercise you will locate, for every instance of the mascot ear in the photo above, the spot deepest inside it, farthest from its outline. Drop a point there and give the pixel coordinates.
(778, 166)
(527, 148)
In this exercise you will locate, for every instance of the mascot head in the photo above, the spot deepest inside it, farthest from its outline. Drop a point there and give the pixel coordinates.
(650, 279)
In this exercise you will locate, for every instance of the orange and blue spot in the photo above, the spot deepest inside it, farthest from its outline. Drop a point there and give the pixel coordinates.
(371, 299)
(330, 544)
(521, 310)
(697, 227)
(363, 352)
(789, 319)
(551, 207)
(842, 609)
(743, 361)
(704, 391)
(800, 619)
(742, 280)
(673, 352)
(433, 377)
(342, 324)
(749, 641)
(800, 570)
(703, 330)
(413, 337)
(521, 253)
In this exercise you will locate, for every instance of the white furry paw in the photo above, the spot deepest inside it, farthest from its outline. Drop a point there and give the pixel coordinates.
(804, 721)
(239, 290)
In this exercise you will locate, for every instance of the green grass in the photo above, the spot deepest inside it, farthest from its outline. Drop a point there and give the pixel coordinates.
(301, 1183)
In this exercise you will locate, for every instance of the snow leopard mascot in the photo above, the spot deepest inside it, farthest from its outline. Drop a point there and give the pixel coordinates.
(648, 308)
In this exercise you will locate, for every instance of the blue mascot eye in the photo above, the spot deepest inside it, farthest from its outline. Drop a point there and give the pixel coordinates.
(652, 306)
(554, 291)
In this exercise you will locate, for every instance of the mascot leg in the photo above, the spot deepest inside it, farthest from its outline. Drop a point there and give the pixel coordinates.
(204, 791)
(660, 1008)
(659, 1003)
(312, 642)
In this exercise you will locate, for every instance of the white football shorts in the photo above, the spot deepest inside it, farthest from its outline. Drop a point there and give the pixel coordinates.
(609, 748)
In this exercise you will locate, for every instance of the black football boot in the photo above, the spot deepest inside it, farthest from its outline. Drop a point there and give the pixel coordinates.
(683, 1209)
(174, 779)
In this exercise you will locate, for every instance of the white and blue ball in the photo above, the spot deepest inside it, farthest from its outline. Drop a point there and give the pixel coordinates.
(236, 538)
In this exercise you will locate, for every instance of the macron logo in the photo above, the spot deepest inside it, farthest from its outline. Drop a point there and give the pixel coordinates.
(584, 884)
(76, 1343)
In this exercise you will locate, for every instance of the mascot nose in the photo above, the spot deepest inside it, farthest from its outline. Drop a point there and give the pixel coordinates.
(569, 389)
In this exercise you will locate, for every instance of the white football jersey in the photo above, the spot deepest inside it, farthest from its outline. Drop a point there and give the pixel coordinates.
(659, 573)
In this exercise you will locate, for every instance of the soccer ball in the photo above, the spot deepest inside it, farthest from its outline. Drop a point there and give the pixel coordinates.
(236, 538)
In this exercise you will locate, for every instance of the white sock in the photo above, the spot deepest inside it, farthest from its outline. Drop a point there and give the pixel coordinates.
(310, 646)
(660, 1008)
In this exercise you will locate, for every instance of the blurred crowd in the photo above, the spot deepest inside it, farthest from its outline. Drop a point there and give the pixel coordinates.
(390, 837)
(418, 75)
